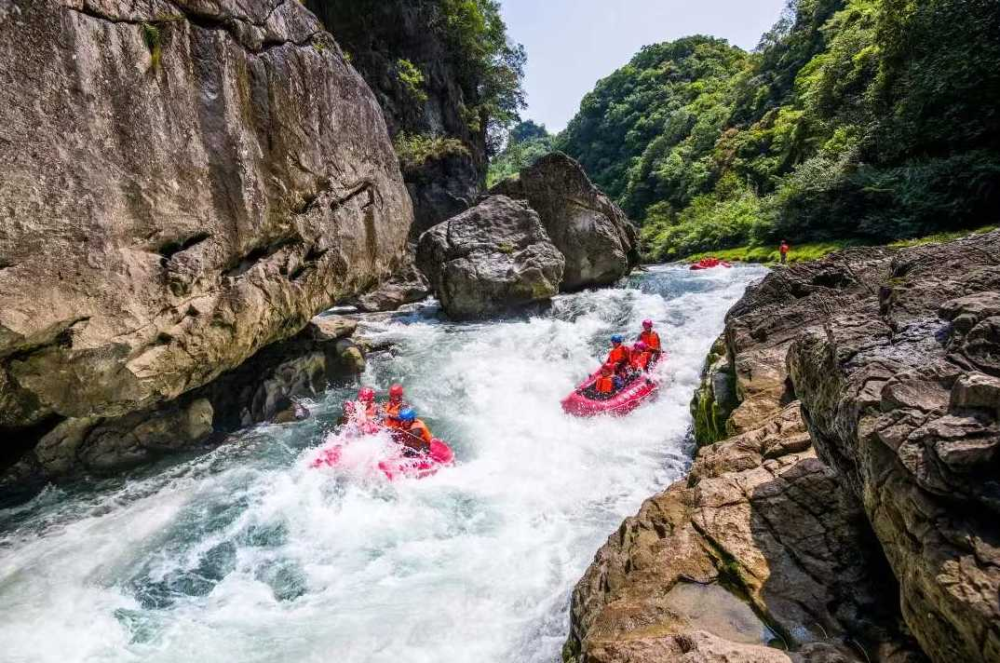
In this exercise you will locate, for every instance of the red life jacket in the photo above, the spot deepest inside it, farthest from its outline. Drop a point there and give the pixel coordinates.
(605, 384)
(651, 339)
(641, 360)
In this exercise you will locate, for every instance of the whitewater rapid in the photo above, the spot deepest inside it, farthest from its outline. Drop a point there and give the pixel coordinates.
(245, 554)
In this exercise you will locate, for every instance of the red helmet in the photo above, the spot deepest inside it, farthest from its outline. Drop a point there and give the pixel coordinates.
(396, 391)
(607, 369)
(648, 324)
(641, 347)
(366, 395)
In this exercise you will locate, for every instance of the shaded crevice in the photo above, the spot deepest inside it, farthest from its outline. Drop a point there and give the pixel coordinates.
(20, 441)
(251, 259)
(171, 248)
(361, 189)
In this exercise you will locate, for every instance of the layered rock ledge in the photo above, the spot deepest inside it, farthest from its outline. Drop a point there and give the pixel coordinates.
(853, 504)
(184, 184)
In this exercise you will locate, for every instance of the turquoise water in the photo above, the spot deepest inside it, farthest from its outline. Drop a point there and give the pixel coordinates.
(246, 554)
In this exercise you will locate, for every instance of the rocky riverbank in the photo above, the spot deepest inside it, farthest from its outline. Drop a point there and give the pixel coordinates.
(852, 504)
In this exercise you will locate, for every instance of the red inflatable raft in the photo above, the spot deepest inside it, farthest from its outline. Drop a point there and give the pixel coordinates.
(586, 402)
(709, 263)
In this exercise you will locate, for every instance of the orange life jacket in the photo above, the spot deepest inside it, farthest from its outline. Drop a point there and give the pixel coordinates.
(641, 360)
(651, 339)
(418, 436)
(391, 411)
(619, 355)
(605, 384)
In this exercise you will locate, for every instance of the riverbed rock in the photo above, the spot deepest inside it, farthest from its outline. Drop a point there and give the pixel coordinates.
(407, 286)
(269, 387)
(770, 550)
(598, 240)
(495, 257)
(184, 183)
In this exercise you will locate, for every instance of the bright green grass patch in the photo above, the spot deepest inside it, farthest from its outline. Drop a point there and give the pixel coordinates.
(943, 237)
(770, 255)
(817, 250)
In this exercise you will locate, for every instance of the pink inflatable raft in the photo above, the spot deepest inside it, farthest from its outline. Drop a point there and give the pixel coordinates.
(586, 402)
(399, 466)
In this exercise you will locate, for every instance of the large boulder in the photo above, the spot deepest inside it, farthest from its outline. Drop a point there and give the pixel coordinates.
(598, 240)
(184, 183)
(493, 257)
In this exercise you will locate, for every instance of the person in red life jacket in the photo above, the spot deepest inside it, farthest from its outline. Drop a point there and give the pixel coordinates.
(641, 357)
(651, 339)
(784, 249)
(412, 433)
(394, 406)
(620, 357)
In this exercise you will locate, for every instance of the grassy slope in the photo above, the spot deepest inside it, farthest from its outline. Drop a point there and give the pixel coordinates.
(807, 252)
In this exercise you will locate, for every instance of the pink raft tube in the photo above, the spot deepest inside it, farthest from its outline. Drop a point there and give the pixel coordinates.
(399, 465)
(586, 402)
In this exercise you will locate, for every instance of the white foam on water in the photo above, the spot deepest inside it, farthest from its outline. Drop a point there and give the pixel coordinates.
(248, 554)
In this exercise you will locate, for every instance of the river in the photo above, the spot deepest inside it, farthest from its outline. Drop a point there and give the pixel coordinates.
(246, 554)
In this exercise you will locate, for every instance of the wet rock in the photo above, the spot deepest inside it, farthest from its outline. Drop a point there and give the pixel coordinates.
(763, 519)
(326, 329)
(184, 184)
(139, 437)
(492, 258)
(290, 412)
(350, 357)
(406, 287)
(599, 242)
(715, 399)
(264, 389)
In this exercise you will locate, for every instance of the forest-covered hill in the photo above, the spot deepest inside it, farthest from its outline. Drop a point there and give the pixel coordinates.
(863, 119)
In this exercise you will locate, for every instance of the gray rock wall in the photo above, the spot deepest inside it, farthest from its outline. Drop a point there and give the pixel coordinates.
(181, 184)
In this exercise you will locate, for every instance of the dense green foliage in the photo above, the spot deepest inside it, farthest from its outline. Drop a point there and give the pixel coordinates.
(488, 63)
(866, 119)
(526, 144)
(455, 54)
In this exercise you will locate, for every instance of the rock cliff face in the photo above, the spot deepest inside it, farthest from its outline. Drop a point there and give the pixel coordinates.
(184, 183)
(598, 240)
(494, 257)
(861, 477)
(379, 34)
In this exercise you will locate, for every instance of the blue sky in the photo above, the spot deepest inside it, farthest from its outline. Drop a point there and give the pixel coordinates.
(572, 44)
